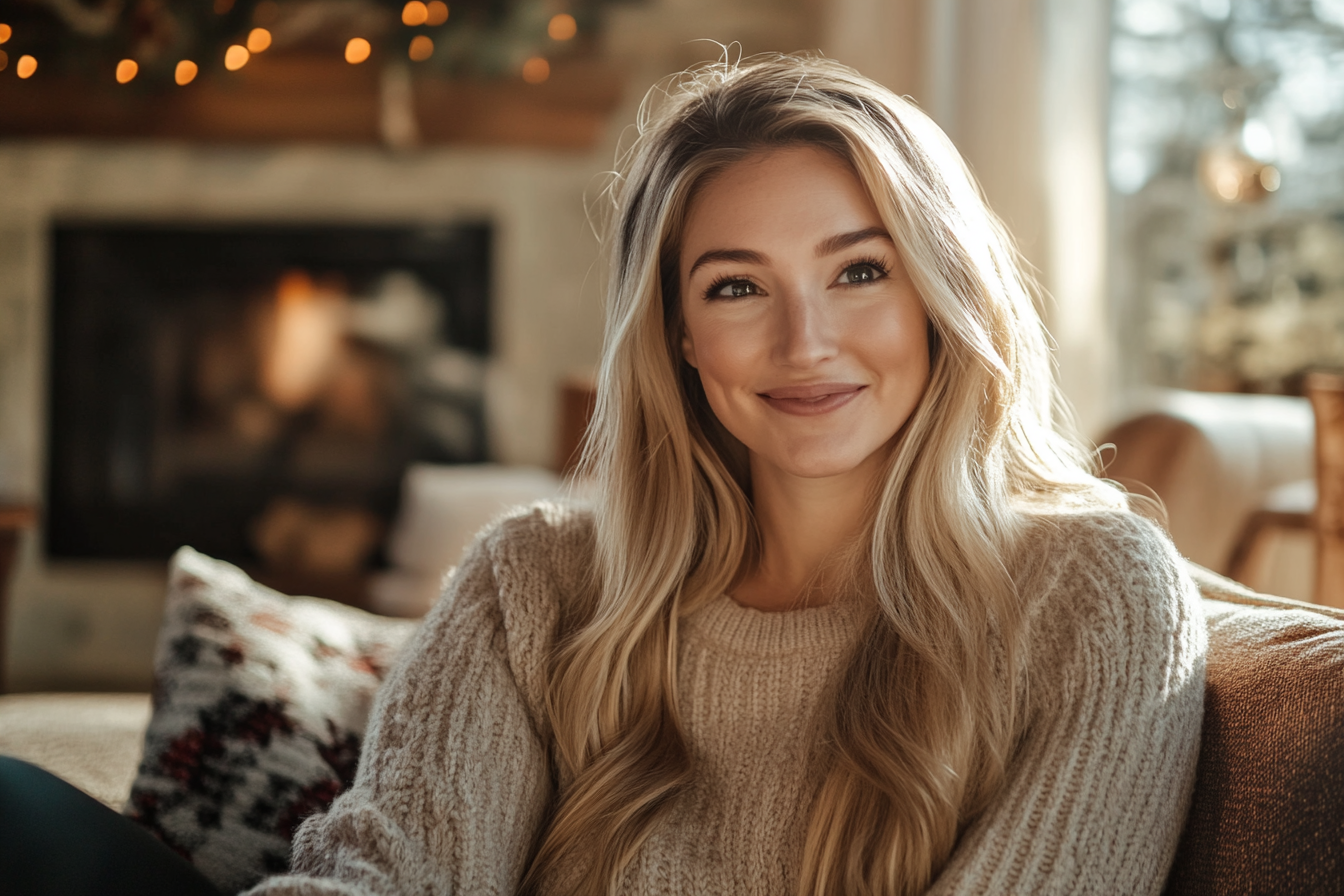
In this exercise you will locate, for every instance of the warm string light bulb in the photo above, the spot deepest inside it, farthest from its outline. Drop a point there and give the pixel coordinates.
(414, 13)
(185, 72)
(422, 48)
(562, 27)
(437, 12)
(25, 67)
(6, 33)
(4, 60)
(536, 70)
(127, 69)
(235, 57)
(258, 40)
(357, 50)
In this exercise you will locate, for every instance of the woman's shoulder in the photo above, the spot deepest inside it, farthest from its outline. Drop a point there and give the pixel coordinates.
(1109, 542)
(531, 562)
(555, 536)
(1110, 574)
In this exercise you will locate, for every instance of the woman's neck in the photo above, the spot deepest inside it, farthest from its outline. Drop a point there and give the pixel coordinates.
(803, 523)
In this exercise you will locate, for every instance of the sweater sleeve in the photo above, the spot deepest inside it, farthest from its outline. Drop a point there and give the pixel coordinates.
(453, 779)
(1096, 794)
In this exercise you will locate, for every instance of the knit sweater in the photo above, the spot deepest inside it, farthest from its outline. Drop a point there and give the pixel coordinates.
(456, 776)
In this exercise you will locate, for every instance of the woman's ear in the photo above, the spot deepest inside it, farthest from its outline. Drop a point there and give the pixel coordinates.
(687, 346)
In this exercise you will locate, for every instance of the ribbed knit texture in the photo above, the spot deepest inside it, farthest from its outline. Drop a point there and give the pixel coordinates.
(456, 775)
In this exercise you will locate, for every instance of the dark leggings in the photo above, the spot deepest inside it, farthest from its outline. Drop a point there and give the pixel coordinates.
(56, 840)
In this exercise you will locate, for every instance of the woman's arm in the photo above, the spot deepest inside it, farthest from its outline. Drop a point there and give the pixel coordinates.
(1096, 795)
(454, 779)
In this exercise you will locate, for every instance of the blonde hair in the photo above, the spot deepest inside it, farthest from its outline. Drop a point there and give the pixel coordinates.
(928, 715)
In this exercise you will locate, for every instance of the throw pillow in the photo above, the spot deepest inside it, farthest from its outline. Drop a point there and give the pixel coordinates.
(260, 703)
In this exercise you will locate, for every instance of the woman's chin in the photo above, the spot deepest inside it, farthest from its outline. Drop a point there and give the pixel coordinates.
(812, 465)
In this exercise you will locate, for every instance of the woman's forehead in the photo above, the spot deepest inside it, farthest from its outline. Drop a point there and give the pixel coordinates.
(796, 196)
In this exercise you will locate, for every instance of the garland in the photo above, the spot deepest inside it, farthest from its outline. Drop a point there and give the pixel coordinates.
(162, 43)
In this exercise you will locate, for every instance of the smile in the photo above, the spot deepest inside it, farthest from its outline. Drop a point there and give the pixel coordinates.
(811, 400)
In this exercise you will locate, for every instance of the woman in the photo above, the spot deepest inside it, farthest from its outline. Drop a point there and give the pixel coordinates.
(850, 614)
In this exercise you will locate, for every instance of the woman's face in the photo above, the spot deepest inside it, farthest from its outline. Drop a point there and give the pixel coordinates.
(808, 335)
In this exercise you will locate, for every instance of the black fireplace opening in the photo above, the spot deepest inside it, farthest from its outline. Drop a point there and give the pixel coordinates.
(257, 391)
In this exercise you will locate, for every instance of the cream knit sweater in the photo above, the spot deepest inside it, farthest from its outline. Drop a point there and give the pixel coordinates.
(455, 779)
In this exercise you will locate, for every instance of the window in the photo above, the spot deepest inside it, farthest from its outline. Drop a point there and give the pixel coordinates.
(1226, 165)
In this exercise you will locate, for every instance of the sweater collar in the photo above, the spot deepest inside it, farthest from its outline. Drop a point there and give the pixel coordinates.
(814, 630)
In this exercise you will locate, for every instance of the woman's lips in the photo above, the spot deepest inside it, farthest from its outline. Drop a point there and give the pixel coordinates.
(811, 400)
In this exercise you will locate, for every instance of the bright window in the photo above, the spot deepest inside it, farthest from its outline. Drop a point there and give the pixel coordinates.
(1226, 164)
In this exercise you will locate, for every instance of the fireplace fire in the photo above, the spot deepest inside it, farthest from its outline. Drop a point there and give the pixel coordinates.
(257, 392)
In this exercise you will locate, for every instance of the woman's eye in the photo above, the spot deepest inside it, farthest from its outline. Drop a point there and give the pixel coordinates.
(733, 289)
(865, 272)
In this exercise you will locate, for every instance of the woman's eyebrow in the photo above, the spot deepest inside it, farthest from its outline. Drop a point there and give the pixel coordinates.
(828, 246)
(741, 256)
(841, 241)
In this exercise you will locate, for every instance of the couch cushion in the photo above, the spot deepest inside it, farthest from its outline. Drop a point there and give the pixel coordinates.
(1268, 808)
(260, 703)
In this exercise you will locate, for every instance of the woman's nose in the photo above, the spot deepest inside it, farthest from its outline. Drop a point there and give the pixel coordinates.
(806, 330)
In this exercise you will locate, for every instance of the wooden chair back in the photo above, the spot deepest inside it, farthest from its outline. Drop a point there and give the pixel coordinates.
(1326, 392)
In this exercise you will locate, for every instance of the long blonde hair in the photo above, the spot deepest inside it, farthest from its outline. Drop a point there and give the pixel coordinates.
(928, 714)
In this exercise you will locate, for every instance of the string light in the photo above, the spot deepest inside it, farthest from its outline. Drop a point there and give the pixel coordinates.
(562, 27)
(357, 50)
(414, 13)
(536, 70)
(127, 70)
(25, 67)
(422, 47)
(235, 57)
(185, 72)
(6, 33)
(4, 60)
(258, 39)
(438, 12)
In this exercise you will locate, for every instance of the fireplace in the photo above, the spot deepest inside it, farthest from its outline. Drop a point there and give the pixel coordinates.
(257, 391)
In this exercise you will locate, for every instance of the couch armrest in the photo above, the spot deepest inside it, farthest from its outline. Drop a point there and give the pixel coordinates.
(94, 741)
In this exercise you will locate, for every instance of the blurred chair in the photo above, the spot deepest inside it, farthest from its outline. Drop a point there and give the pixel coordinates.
(1287, 508)
(1326, 392)
(1213, 460)
(1317, 506)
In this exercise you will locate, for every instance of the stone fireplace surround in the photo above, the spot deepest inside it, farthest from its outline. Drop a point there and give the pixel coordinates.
(92, 624)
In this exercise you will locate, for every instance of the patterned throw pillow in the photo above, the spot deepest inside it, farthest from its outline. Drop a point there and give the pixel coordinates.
(260, 703)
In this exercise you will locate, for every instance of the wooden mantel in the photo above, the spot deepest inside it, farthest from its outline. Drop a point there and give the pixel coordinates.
(309, 98)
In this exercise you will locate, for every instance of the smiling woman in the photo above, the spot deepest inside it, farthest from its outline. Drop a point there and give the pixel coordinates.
(825, 393)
